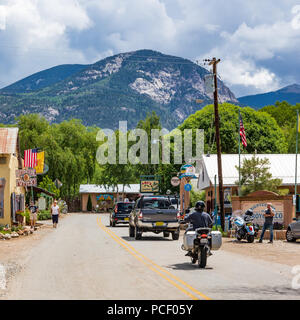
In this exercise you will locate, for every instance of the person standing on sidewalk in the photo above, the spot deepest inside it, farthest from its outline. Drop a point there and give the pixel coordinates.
(33, 214)
(269, 215)
(55, 212)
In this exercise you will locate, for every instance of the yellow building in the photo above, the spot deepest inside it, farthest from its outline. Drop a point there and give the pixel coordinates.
(12, 197)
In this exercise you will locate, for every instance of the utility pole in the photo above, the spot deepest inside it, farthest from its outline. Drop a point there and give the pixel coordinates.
(214, 63)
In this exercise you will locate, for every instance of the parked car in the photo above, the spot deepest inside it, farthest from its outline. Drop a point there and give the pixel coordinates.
(293, 231)
(120, 213)
(154, 214)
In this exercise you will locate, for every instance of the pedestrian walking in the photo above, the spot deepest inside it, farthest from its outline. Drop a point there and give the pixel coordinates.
(33, 214)
(55, 212)
(268, 224)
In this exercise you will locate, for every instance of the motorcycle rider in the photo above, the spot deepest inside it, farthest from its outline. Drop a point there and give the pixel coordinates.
(198, 219)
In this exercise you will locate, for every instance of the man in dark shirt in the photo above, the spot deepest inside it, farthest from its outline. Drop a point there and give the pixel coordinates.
(199, 218)
(269, 215)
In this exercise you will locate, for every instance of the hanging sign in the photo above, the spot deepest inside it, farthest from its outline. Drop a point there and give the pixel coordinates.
(26, 178)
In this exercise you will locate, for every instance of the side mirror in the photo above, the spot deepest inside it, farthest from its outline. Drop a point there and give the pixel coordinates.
(295, 219)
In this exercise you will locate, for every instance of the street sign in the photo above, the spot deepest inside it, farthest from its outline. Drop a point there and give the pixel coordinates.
(187, 187)
(175, 181)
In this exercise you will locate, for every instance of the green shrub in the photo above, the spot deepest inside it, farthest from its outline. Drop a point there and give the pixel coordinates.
(44, 215)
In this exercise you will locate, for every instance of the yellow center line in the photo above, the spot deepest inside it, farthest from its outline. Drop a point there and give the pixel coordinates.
(136, 254)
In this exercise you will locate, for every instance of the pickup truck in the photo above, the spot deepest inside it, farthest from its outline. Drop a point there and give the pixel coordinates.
(154, 214)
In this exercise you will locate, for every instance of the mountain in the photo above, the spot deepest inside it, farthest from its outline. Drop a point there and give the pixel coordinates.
(43, 79)
(291, 94)
(125, 86)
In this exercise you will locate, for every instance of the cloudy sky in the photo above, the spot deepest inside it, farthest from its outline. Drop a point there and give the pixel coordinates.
(257, 41)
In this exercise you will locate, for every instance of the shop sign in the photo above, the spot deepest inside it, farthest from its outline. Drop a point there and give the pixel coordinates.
(26, 178)
(149, 186)
(104, 197)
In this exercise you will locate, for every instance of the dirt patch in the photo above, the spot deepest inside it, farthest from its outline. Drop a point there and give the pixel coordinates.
(280, 251)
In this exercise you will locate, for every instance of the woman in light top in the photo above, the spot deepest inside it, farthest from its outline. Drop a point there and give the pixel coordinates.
(55, 212)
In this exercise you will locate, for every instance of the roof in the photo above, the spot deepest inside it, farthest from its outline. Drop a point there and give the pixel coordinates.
(8, 140)
(282, 166)
(94, 188)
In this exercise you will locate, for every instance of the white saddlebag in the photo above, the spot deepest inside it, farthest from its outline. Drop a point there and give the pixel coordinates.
(216, 240)
(188, 240)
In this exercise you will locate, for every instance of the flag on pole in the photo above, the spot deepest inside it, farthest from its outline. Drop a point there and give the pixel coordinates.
(30, 158)
(243, 133)
(39, 168)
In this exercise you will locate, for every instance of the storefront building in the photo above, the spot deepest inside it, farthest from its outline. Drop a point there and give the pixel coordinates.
(12, 197)
(282, 166)
(103, 198)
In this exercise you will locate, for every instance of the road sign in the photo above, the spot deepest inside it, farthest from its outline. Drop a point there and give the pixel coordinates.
(175, 181)
(187, 187)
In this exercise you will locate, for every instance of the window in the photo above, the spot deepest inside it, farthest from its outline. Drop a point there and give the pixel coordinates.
(2, 160)
(155, 203)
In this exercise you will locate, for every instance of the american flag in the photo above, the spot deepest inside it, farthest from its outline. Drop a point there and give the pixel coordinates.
(243, 133)
(30, 158)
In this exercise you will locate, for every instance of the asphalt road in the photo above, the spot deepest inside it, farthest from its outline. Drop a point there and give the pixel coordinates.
(84, 258)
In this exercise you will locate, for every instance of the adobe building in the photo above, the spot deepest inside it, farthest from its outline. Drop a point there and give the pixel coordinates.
(12, 197)
(105, 197)
(282, 166)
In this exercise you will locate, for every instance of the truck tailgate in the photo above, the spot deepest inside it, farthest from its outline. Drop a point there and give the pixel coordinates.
(157, 215)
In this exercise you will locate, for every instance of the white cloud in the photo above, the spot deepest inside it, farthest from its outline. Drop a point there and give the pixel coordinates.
(254, 39)
(2, 17)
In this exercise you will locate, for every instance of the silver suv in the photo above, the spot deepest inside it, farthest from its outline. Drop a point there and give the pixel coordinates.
(293, 231)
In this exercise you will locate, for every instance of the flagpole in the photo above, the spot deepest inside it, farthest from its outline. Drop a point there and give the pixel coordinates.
(297, 130)
(239, 154)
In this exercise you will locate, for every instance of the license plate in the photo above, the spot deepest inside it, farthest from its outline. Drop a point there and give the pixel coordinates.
(203, 240)
(159, 224)
(249, 224)
(126, 219)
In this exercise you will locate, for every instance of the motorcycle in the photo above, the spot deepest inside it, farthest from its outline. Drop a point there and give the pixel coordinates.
(199, 244)
(244, 228)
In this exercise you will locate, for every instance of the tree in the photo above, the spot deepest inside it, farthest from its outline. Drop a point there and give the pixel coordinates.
(255, 175)
(70, 149)
(263, 133)
(49, 185)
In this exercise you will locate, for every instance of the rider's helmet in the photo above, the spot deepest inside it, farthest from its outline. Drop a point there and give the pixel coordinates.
(249, 212)
(200, 205)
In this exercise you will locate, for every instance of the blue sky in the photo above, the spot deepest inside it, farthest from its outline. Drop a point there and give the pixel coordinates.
(257, 41)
